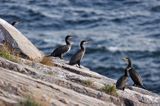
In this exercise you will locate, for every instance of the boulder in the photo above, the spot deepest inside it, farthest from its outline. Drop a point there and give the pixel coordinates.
(17, 41)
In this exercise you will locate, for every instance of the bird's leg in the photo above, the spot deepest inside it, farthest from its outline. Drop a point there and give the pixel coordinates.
(79, 64)
(123, 88)
(126, 86)
(61, 57)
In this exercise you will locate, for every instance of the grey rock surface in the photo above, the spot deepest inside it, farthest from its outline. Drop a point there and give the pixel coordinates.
(62, 87)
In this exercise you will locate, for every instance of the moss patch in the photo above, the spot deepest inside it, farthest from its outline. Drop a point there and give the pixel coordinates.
(87, 83)
(30, 102)
(110, 89)
(6, 53)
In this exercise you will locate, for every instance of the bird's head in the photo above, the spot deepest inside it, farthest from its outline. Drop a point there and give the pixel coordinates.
(68, 37)
(84, 42)
(14, 23)
(127, 60)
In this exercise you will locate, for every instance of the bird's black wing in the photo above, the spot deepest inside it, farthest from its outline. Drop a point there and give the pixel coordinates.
(76, 57)
(60, 50)
(121, 82)
(135, 77)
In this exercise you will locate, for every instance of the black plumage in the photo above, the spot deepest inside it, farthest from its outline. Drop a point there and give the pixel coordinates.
(14, 23)
(122, 81)
(134, 75)
(77, 57)
(61, 50)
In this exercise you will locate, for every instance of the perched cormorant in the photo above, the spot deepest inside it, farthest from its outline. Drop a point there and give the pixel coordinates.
(76, 58)
(134, 75)
(14, 23)
(121, 82)
(60, 51)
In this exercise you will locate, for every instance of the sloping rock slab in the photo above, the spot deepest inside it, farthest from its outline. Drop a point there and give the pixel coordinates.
(18, 41)
(49, 92)
(66, 79)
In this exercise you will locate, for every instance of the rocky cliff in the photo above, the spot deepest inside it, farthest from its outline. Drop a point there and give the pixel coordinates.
(52, 82)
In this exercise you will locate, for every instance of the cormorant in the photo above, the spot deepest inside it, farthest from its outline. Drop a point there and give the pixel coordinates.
(76, 58)
(14, 23)
(134, 75)
(121, 82)
(60, 51)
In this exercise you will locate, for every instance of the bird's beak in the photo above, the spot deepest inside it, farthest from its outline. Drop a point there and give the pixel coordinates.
(124, 59)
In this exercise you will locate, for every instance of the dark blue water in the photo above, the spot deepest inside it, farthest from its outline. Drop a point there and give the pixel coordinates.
(117, 28)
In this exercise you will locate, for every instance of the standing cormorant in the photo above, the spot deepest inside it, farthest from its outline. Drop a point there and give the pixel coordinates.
(121, 82)
(60, 51)
(76, 58)
(14, 23)
(134, 75)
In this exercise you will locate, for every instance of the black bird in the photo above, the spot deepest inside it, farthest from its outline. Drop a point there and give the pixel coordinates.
(121, 82)
(61, 50)
(76, 58)
(14, 23)
(134, 75)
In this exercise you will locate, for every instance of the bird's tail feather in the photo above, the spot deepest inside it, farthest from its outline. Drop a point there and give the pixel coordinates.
(142, 87)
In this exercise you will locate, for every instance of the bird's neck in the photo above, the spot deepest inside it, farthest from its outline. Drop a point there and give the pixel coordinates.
(68, 42)
(129, 64)
(82, 47)
(127, 70)
(126, 73)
